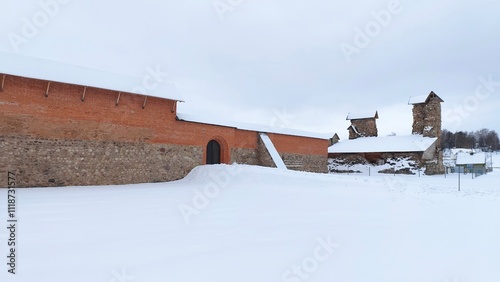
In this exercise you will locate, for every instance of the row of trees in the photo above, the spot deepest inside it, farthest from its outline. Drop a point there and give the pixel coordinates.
(484, 138)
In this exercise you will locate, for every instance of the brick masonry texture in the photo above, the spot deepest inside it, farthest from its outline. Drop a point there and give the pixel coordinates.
(95, 142)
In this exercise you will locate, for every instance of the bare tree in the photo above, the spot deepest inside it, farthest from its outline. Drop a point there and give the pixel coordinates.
(483, 138)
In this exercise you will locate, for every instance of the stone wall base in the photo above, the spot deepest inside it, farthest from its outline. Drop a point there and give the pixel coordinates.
(42, 162)
(39, 162)
(308, 163)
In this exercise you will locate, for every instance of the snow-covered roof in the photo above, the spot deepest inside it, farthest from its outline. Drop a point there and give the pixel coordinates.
(422, 99)
(456, 151)
(467, 158)
(386, 144)
(59, 72)
(361, 115)
(251, 127)
(418, 99)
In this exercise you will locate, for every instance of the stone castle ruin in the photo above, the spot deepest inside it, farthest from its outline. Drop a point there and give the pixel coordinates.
(427, 115)
(362, 125)
(427, 122)
(422, 148)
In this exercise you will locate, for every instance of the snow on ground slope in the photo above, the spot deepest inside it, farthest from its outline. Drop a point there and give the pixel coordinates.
(496, 160)
(261, 224)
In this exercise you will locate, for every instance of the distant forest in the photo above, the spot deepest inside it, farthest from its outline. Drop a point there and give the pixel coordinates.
(484, 139)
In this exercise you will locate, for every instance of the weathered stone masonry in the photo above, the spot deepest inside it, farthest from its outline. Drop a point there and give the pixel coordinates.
(60, 140)
(58, 162)
(427, 122)
(363, 128)
(362, 125)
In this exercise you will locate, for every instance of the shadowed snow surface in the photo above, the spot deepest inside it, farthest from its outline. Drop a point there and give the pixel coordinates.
(255, 224)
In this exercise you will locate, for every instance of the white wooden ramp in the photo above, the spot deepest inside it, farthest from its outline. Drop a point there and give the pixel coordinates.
(272, 151)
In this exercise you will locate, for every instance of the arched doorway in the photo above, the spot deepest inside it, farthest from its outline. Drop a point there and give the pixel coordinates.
(213, 152)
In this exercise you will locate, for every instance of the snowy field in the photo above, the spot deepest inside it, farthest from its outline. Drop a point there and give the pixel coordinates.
(260, 224)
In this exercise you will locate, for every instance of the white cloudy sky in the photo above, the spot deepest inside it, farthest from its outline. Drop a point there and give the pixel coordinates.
(263, 59)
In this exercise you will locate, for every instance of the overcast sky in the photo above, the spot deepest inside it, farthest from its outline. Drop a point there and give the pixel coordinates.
(299, 64)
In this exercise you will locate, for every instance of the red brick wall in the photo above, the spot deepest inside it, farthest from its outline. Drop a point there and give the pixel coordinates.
(24, 110)
(300, 145)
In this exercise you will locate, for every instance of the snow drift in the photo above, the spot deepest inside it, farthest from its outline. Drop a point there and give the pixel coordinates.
(261, 224)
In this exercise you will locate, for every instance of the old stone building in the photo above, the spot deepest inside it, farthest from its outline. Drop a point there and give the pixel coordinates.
(62, 125)
(381, 150)
(362, 125)
(422, 147)
(427, 115)
(427, 122)
(335, 139)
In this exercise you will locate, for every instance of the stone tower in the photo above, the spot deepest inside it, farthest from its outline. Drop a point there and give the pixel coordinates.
(427, 122)
(362, 125)
(427, 115)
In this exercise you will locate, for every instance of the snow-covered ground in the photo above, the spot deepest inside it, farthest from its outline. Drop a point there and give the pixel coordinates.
(253, 224)
(496, 160)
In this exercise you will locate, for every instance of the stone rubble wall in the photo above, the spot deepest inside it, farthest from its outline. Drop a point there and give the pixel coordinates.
(427, 122)
(42, 162)
(365, 128)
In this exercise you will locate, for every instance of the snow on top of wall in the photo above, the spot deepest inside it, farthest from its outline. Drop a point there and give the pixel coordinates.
(410, 143)
(418, 99)
(422, 99)
(248, 126)
(361, 115)
(59, 72)
(467, 158)
(12, 64)
(455, 151)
